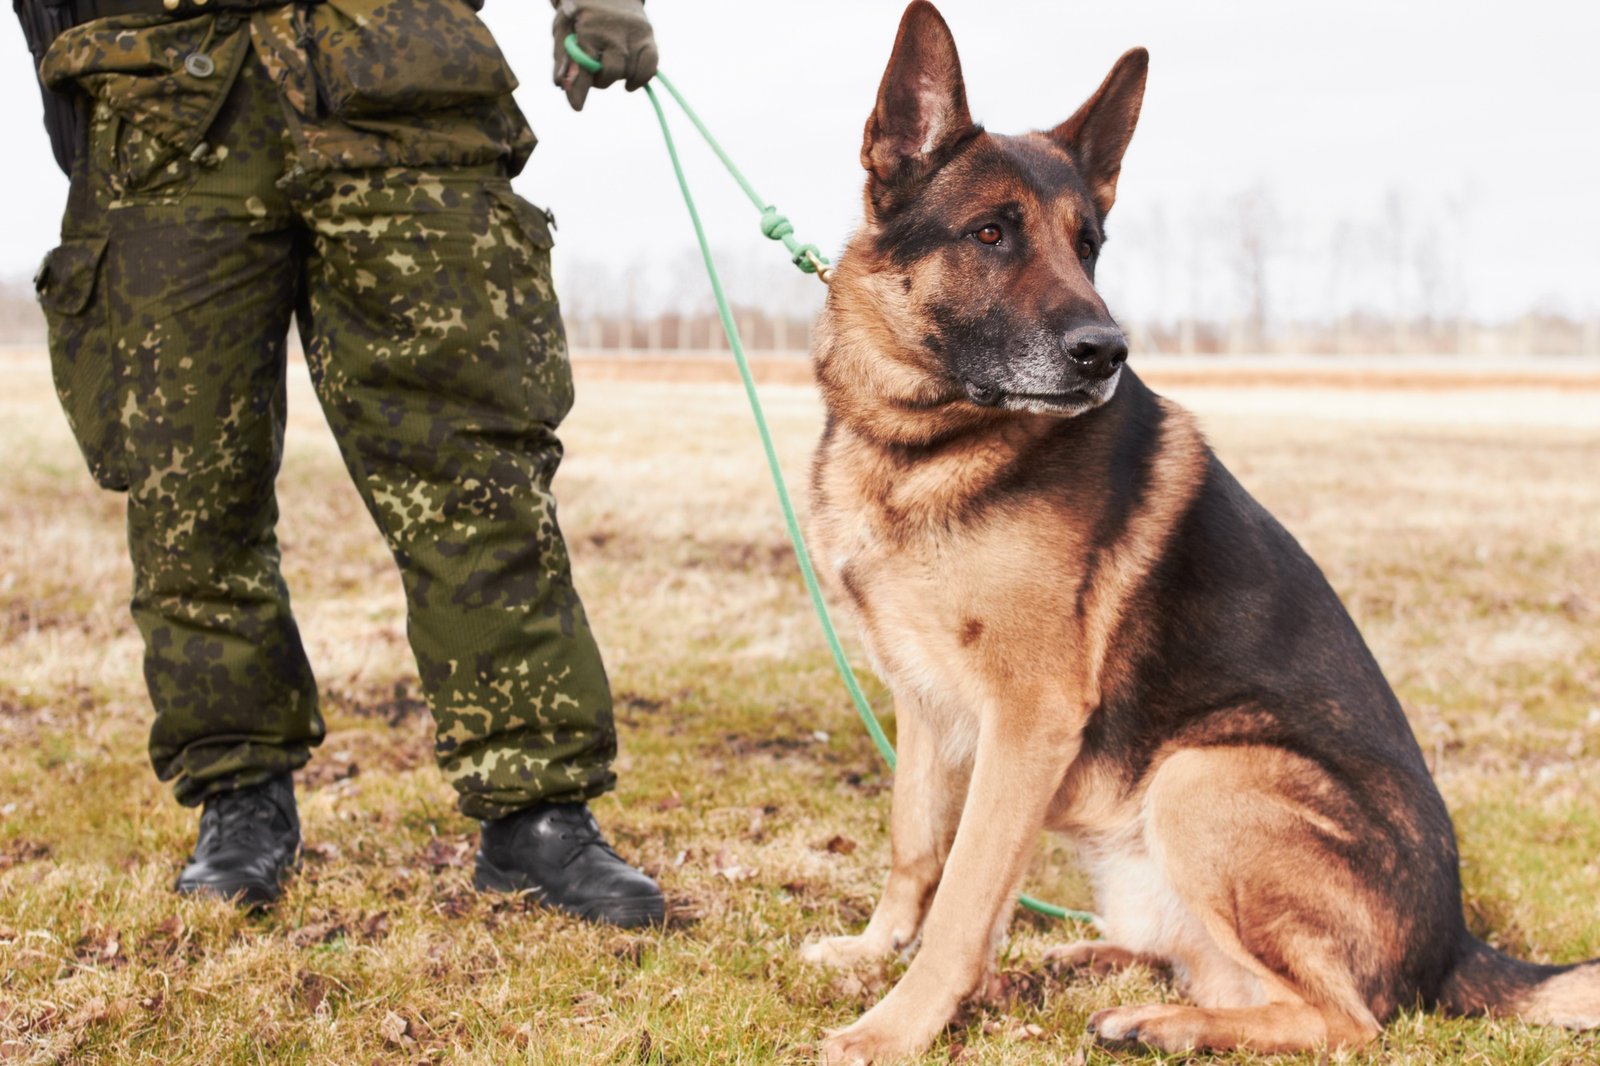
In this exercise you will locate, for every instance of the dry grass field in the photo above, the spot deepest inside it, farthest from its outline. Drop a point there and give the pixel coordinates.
(1462, 529)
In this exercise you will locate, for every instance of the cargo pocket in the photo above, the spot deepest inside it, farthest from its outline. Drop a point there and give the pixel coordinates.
(533, 315)
(70, 286)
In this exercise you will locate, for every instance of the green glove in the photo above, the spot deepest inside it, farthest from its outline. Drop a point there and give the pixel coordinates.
(615, 32)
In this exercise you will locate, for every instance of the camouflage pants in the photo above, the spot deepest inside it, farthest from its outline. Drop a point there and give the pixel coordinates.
(424, 303)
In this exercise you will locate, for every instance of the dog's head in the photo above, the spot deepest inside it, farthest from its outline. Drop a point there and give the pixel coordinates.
(992, 240)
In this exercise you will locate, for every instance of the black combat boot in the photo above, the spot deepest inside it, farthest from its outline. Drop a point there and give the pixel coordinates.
(555, 853)
(249, 841)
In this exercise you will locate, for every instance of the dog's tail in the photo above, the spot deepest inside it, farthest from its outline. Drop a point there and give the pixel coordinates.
(1488, 982)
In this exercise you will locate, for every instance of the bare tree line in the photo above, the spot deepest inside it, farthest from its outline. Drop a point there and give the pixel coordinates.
(1254, 278)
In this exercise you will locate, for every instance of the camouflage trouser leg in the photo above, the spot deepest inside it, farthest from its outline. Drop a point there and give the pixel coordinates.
(235, 696)
(425, 303)
(183, 291)
(436, 346)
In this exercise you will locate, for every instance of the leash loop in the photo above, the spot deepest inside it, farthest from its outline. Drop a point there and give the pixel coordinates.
(809, 259)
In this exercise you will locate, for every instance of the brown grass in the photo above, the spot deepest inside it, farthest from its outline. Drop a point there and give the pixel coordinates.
(1468, 549)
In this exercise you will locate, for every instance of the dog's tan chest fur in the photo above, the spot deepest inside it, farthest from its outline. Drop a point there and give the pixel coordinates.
(961, 606)
(950, 608)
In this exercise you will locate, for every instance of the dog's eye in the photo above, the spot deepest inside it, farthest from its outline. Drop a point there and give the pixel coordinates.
(1085, 250)
(989, 234)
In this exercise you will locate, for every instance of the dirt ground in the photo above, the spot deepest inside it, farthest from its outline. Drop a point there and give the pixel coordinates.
(1460, 524)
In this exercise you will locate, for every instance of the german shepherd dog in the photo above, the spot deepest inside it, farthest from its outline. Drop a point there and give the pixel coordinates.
(1089, 626)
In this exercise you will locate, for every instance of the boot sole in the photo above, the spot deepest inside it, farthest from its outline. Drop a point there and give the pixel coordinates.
(627, 913)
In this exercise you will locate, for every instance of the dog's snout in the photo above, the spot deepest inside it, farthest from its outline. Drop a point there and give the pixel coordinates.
(1098, 350)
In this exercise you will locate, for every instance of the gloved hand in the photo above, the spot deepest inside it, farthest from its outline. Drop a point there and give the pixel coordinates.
(615, 32)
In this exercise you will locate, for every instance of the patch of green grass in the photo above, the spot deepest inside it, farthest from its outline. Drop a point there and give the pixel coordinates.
(746, 784)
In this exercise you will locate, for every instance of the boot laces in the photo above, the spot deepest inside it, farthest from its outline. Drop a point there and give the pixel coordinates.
(579, 827)
(249, 816)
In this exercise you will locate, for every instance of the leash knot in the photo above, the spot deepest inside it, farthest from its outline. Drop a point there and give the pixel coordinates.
(775, 225)
(808, 257)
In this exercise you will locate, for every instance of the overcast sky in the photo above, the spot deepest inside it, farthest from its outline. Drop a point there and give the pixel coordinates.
(1369, 128)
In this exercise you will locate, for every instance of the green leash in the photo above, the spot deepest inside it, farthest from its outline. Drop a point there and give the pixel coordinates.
(809, 259)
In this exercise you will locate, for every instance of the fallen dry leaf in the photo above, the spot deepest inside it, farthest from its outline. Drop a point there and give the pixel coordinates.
(838, 845)
(396, 1029)
(313, 989)
(17, 852)
(847, 986)
(724, 866)
(321, 852)
(88, 1013)
(314, 933)
(375, 926)
(441, 854)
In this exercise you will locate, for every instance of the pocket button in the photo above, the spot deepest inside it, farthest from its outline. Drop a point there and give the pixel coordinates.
(200, 65)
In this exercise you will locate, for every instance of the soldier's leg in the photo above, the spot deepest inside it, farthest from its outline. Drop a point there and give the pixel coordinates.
(194, 291)
(437, 350)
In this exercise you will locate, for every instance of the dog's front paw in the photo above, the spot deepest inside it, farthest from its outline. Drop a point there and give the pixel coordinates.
(840, 951)
(900, 1026)
(866, 1043)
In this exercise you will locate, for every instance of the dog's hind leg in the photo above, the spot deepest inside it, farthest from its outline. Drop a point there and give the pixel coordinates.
(1268, 925)
(927, 805)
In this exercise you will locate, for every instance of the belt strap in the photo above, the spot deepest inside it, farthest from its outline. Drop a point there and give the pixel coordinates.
(100, 9)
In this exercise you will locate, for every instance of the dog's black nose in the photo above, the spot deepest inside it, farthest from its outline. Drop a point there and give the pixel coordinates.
(1098, 350)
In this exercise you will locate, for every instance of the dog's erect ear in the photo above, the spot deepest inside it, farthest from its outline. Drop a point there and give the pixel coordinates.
(921, 116)
(1100, 131)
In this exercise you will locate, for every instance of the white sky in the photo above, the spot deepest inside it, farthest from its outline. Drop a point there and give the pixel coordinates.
(1469, 127)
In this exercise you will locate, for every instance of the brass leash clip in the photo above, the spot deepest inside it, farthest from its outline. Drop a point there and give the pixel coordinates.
(823, 270)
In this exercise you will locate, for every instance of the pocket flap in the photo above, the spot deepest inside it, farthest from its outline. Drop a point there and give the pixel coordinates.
(532, 220)
(139, 67)
(377, 57)
(65, 281)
